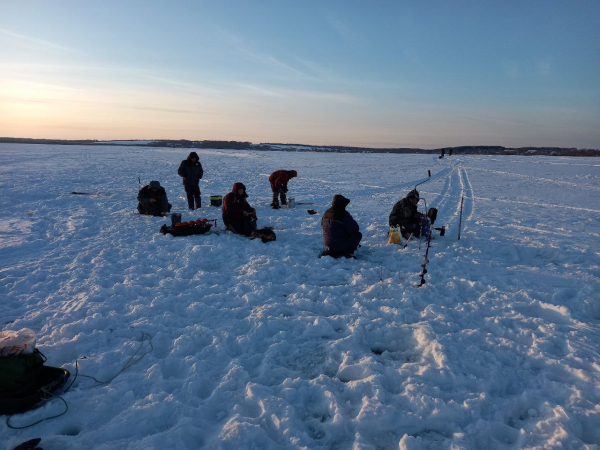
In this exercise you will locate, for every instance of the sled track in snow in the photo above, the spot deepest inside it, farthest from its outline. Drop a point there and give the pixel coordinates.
(372, 190)
(457, 185)
(469, 196)
(442, 201)
(411, 184)
(436, 176)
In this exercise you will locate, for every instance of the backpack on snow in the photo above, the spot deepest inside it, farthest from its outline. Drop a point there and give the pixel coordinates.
(25, 382)
(265, 234)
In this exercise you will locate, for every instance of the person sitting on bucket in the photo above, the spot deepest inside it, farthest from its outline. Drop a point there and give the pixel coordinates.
(190, 170)
(341, 234)
(279, 181)
(152, 200)
(238, 215)
(406, 216)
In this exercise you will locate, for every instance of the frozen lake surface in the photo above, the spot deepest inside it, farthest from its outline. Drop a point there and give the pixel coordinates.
(243, 345)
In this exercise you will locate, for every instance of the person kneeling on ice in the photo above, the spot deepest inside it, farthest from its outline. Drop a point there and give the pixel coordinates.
(238, 215)
(407, 217)
(153, 200)
(279, 180)
(191, 171)
(341, 233)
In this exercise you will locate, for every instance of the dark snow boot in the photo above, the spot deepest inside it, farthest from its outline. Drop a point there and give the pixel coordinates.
(29, 445)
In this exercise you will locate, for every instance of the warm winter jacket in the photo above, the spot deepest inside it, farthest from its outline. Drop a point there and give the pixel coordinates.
(405, 214)
(340, 231)
(191, 172)
(234, 206)
(279, 179)
(161, 205)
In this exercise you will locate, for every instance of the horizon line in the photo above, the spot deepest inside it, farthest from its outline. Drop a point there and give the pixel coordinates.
(298, 144)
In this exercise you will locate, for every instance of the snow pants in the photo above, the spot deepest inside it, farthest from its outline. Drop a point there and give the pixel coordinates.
(246, 228)
(276, 195)
(193, 196)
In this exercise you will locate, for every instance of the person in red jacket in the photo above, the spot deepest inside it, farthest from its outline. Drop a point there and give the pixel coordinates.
(279, 180)
(238, 215)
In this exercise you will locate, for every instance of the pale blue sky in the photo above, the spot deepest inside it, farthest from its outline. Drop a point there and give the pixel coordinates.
(374, 73)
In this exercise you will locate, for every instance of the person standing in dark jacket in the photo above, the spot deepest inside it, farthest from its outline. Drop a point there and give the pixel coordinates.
(279, 185)
(238, 215)
(152, 200)
(341, 233)
(406, 216)
(191, 171)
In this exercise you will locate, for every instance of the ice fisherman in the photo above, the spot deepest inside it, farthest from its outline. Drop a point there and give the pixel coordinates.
(341, 234)
(407, 217)
(191, 172)
(279, 185)
(152, 200)
(238, 215)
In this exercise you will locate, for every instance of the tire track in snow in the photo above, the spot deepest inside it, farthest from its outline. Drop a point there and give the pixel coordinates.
(448, 201)
(441, 201)
(469, 205)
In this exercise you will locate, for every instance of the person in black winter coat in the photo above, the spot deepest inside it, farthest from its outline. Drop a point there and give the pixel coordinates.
(152, 200)
(341, 233)
(191, 171)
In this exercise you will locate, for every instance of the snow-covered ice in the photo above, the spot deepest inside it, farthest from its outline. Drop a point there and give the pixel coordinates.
(245, 345)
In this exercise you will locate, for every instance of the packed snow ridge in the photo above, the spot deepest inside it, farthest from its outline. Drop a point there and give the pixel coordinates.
(238, 344)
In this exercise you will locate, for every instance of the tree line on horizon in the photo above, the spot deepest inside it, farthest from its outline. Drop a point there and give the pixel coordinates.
(240, 145)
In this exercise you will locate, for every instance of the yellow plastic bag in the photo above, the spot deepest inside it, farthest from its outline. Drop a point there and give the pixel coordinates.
(395, 236)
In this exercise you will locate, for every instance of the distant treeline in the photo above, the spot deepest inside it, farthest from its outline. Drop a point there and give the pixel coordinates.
(236, 145)
(8, 140)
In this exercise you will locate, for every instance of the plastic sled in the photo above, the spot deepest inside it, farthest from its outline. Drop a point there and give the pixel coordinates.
(51, 379)
(186, 230)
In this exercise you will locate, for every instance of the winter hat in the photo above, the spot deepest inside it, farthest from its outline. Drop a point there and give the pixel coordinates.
(193, 155)
(293, 173)
(338, 205)
(154, 185)
(340, 202)
(237, 186)
(414, 193)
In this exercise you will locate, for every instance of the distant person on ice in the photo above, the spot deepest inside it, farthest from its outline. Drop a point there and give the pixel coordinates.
(191, 171)
(279, 185)
(152, 200)
(406, 216)
(341, 234)
(238, 215)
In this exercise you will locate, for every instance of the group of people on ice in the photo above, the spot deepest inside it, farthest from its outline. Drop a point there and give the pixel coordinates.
(341, 233)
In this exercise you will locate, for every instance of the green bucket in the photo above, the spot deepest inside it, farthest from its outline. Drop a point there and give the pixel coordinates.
(216, 200)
